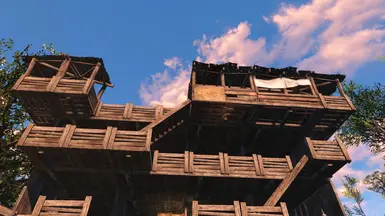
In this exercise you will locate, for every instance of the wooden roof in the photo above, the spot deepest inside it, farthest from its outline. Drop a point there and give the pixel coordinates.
(102, 75)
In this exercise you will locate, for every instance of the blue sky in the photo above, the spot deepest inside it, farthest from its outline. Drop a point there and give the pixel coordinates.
(148, 46)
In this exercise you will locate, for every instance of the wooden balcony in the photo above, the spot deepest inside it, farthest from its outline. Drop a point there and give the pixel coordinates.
(72, 148)
(221, 165)
(238, 209)
(45, 206)
(57, 86)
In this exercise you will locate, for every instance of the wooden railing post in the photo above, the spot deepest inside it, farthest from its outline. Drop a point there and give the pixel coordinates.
(128, 110)
(27, 73)
(25, 134)
(226, 161)
(155, 161)
(90, 80)
(186, 162)
(222, 163)
(244, 211)
(59, 75)
(343, 149)
(38, 206)
(237, 208)
(256, 164)
(311, 148)
(194, 208)
(191, 162)
(260, 162)
(342, 93)
(86, 206)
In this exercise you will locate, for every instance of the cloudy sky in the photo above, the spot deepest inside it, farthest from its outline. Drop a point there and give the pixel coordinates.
(148, 46)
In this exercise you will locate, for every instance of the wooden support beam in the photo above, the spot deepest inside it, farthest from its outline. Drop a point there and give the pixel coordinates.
(91, 79)
(22, 204)
(155, 161)
(186, 162)
(237, 208)
(281, 189)
(128, 110)
(343, 149)
(342, 93)
(158, 111)
(86, 206)
(4, 211)
(284, 210)
(101, 92)
(27, 73)
(223, 81)
(59, 75)
(38, 206)
(311, 148)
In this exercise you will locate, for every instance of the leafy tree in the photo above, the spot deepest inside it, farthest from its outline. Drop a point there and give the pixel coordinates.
(367, 125)
(14, 165)
(376, 182)
(352, 191)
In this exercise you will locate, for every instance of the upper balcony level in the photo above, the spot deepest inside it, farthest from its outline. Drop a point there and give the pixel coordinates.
(230, 83)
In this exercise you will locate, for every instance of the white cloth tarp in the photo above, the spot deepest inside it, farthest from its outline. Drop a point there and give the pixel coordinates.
(280, 83)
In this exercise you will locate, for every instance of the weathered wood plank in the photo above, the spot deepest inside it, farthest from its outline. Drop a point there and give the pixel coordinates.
(38, 206)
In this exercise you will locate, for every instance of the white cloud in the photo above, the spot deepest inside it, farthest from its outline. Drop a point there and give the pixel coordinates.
(266, 19)
(328, 36)
(164, 89)
(172, 62)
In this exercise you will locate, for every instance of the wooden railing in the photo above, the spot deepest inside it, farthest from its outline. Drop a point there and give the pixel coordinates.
(238, 209)
(61, 207)
(328, 150)
(282, 99)
(82, 138)
(129, 112)
(221, 165)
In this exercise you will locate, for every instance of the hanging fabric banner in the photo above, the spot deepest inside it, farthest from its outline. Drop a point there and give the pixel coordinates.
(280, 83)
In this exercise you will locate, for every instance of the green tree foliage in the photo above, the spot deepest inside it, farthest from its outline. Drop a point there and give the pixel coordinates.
(352, 191)
(14, 165)
(376, 182)
(367, 125)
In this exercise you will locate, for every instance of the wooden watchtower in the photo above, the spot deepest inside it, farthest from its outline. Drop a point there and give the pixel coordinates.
(247, 141)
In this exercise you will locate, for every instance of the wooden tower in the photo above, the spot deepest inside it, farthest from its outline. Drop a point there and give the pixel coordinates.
(247, 141)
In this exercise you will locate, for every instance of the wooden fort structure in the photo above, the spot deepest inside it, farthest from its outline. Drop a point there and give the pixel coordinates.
(247, 141)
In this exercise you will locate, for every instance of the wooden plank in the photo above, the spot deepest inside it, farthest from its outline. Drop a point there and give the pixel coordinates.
(5, 211)
(311, 148)
(64, 135)
(256, 165)
(277, 194)
(25, 134)
(191, 162)
(290, 165)
(222, 163)
(223, 81)
(69, 135)
(22, 204)
(155, 161)
(237, 208)
(226, 162)
(244, 211)
(91, 79)
(128, 110)
(158, 111)
(194, 208)
(343, 149)
(107, 137)
(186, 162)
(193, 84)
(38, 206)
(285, 212)
(148, 139)
(260, 162)
(26, 74)
(342, 93)
(111, 140)
(86, 206)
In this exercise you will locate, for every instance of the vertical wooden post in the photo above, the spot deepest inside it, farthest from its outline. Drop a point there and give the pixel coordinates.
(223, 80)
(191, 162)
(311, 148)
(107, 137)
(193, 83)
(25, 134)
(260, 162)
(90, 80)
(342, 93)
(155, 161)
(38, 206)
(111, 140)
(343, 149)
(86, 206)
(64, 135)
(226, 160)
(158, 111)
(315, 90)
(59, 75)
(194, 208)
(277, 194)
(251, 79)
(27, 73)
(256, 164)
(101, 91)
(148, 140)
(69, 135)
(288, 160)
(237, 208)
(221, 163)
(128, 110)
(244, 210)
(186, 161)
(284, 209)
